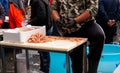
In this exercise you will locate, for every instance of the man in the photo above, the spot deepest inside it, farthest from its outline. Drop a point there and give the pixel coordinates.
(108, 15)
(40, 15)
(75, 18)
(2, 15)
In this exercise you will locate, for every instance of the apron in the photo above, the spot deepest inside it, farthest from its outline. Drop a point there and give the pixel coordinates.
(15, 17)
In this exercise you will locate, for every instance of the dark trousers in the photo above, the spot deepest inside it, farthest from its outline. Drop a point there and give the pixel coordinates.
(110, 32)
(44, 61)
(96, 37)
(45, 58)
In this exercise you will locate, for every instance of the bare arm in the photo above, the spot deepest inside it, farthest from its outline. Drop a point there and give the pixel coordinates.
(84, 16)
(55, 15)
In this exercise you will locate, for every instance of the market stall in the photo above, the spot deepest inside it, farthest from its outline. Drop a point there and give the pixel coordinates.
(50, 44)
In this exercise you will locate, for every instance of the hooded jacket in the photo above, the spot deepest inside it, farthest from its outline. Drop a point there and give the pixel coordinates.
(40, 13)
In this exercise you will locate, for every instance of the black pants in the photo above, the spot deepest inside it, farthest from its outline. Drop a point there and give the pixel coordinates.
(45, 58)
(110, 32)
(96, 37)
(44, 61)
(5, 25)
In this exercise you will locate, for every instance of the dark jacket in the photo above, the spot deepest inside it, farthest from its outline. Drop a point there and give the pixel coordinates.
(40, 13)
(108, 9)
(2, 13)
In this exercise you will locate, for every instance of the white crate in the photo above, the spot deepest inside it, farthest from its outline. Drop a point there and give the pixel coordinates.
(22, 34)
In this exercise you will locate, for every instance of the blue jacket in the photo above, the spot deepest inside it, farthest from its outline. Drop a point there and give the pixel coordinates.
(108, 9)
(5, 5)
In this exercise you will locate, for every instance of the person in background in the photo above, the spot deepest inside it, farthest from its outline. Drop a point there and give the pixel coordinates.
(2, 15)
(26, 4)
(107, 16)
(51, 2)
(40, 15)
(16, 13)
(5, 5)
(76, 19)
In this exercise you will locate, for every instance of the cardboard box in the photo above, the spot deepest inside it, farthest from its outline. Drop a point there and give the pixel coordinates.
(22, 34)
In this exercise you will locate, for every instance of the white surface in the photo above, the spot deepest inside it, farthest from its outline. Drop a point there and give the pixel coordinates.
(2, 30)
(55, 45)
(60, 43)
(117, 70)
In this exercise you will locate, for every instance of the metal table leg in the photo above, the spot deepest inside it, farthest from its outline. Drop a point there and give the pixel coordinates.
(3, 60)
(84, 59)
(27, 59)
(15, 61)
(67, 63)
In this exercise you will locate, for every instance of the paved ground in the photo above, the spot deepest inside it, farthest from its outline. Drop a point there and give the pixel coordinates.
(9, 62)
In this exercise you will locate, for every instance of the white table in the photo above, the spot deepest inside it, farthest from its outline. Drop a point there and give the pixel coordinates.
(62, 46)
(117, 70)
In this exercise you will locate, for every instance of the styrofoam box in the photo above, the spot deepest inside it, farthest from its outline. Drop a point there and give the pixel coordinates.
(22, 34)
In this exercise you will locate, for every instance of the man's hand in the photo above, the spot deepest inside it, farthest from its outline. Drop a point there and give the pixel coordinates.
(58, 28)
(111, 23)
(71, 23)
(59, 22)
